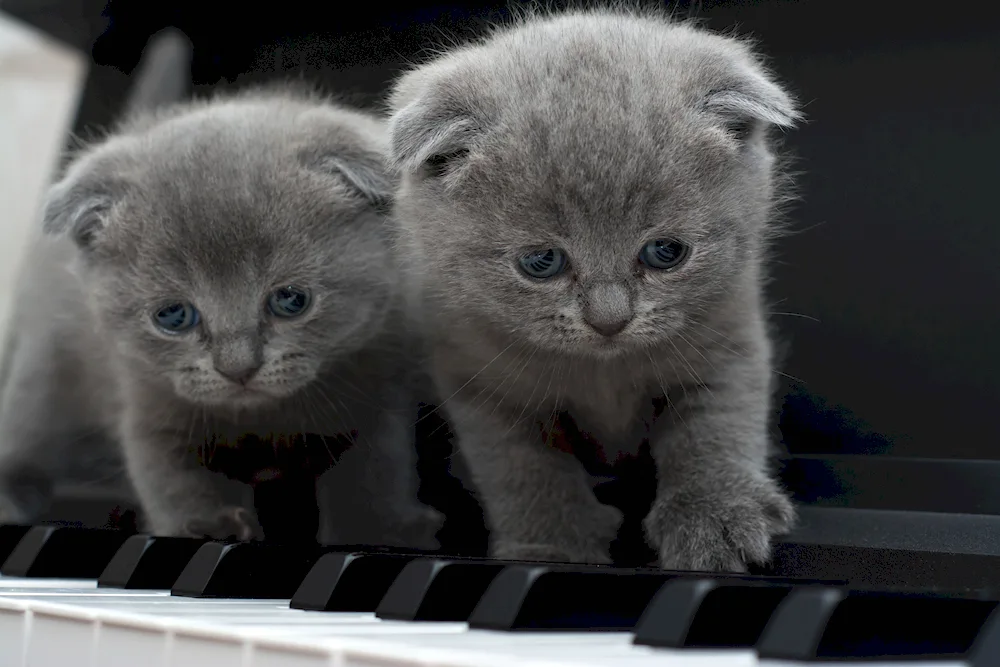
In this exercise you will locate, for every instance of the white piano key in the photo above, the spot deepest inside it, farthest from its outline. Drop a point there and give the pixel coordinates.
(14, 619)
(574, 648)
(207, 647)
(287, 655)
(127, 642)
(21, 583)
(60, 637)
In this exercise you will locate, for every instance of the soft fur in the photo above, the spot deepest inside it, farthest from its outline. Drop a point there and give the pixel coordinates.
(216, 203)
(596, 132)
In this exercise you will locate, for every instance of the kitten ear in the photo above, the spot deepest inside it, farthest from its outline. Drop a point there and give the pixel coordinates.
(78, 209)
(367, 174)
(424, 137)
(751, 101)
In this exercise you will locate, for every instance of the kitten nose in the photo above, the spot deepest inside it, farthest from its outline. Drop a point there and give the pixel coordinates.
(238, 358)
(609, 328)
(240, 374)
(608, 308)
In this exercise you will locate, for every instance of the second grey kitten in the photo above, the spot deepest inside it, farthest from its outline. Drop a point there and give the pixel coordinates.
(211, 271)
(586, 200)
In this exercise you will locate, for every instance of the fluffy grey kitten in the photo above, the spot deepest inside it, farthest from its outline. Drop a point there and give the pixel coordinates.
(585, 198)
(215, 270)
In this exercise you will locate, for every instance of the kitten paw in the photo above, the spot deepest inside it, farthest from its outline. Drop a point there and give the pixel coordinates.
(586, 540)
(718, 531)
(418, 529)
(228, 523)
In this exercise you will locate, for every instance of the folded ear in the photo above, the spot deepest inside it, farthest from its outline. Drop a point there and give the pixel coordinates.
(424, 135)
(78, 207)
(365, 173)
(752, 100)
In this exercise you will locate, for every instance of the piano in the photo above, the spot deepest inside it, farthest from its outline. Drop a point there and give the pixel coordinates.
(85, 597)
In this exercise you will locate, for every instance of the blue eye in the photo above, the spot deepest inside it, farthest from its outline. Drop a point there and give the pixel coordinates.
(543, 263)
(176, 317)
(289, 301)
(664, 254)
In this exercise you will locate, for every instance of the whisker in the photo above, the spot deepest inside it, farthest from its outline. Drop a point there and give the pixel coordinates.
(801, 315)
(467, 382)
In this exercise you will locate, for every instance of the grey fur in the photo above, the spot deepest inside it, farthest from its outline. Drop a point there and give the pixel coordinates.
(596, 132)
(218, 203)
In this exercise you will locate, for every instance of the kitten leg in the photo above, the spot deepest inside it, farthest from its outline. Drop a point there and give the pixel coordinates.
(370, 496)
(717, 507)
(539, 501)
(179, 496)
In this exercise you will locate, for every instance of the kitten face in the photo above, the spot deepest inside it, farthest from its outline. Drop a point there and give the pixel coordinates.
(229, 265)
(581, 191)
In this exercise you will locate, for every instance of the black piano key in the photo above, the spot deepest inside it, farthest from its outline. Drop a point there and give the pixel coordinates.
(824, 623)
(710, 612)
(557, 597)
(61, 552)
(246, 570)
(149, 562)
(349, 581)
(438, 590)
(10, 535)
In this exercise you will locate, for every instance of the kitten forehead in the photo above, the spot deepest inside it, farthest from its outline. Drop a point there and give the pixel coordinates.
(676, 63)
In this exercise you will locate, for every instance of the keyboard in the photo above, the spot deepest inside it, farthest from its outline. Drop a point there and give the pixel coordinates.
(89, 597)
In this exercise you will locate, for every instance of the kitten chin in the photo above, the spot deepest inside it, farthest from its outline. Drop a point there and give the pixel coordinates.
(603, 184)
(220, 268)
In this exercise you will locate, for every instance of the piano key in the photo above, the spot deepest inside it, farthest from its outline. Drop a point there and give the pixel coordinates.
(149, 562)
(349, 581)
(237, 628)
(63, 552)
(557, 597)
(438, 589)
(704, 612)
(817, 623)
(246, 570)
(10, 535)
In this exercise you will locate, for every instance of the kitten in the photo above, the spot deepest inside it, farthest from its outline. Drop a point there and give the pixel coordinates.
(585, 198)
(211, 271)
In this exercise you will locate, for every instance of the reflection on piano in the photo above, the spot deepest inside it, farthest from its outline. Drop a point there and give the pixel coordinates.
(93, 597)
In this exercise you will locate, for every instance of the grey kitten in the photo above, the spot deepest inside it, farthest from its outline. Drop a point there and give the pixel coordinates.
(215, 270)
(586, 199)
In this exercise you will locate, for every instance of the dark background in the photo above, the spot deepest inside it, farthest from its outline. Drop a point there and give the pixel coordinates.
(886, 291)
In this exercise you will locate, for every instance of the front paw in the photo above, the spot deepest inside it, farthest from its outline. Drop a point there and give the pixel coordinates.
(227, 523)
(579, 539)
(418, 529)
(721, 530)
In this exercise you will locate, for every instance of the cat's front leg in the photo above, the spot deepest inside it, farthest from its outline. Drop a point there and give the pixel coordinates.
(179, 496)
(370, 496)
(538, 500)
(717, 507)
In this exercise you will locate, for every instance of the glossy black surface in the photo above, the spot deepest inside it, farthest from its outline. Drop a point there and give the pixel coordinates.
(543, 597)
(148, 562)
(349, 581)
(63, 553)
(246, 570)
